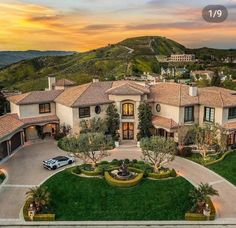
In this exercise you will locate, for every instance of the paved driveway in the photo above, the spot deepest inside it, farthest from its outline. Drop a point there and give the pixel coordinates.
(24, 170)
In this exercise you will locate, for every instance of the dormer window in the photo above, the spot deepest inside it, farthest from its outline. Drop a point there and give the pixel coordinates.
(44, 108)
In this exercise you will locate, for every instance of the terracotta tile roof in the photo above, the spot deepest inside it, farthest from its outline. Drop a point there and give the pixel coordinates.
(172, 94)
(35, 97)
(217, 97)
(127, 88)
(94, 94)
(64, 82)
(70, 96)
(42, 119)
(9, 123)
(164, 122)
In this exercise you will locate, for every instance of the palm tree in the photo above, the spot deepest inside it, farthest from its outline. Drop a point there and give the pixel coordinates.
(40, 196)
(199, 196)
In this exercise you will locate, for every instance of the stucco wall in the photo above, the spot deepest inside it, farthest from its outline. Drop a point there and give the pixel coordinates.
(167, 111)
(27, 111)
(76, 119)
(65, 114)
(15, 108)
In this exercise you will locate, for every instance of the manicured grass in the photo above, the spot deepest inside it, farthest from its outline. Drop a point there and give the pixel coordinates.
(226, 168)
(83, 199)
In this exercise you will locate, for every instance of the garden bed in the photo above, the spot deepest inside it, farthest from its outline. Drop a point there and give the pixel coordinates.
(76, 198)
(189, 216)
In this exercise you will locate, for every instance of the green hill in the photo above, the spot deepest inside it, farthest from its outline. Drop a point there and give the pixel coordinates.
(131, 56)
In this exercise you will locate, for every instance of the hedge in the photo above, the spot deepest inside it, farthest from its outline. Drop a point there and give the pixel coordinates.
(167, 174)
(220, 159)
(200, 217)
(91, 173)
(123, 183)
(37, 217)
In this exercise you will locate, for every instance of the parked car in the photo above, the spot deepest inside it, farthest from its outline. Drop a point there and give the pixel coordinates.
(57, 162)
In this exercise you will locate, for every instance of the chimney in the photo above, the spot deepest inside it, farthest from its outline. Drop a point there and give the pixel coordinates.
(95, 79)
(51, 82)
(193, 91)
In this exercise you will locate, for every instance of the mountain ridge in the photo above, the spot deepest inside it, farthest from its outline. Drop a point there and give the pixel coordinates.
(128, 57)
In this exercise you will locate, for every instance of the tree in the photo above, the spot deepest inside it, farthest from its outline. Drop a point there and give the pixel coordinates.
(93, 125)
(158, 151)
(40, 197)
(185, 136)
(216, 80)
(199, 196)
(210, 137)
(112, 120)
(90, 147)
(145, 120)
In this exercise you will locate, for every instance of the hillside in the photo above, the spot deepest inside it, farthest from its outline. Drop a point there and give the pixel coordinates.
(131, 56)
(10, 57)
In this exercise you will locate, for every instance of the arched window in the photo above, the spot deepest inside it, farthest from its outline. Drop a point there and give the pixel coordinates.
(128, 109)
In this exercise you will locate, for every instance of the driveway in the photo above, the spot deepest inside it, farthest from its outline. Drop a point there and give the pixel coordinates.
(25, 170)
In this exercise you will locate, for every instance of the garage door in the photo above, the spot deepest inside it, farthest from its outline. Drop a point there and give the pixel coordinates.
(3, 150)
(15, 141)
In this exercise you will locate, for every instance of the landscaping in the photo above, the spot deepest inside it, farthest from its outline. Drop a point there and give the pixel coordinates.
(226, 168)
(76, 198)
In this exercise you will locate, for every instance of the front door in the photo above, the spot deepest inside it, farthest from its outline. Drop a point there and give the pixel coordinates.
(128, 131)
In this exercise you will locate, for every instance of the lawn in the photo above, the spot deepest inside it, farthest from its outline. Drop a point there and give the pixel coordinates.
(226, 168)
(88, 199)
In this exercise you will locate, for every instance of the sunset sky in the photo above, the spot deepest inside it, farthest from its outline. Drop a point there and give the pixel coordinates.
(82, 25)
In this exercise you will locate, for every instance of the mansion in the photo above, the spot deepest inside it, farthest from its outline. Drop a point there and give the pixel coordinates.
(63, 103)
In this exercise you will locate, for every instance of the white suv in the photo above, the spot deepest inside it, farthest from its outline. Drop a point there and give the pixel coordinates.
(57, 162)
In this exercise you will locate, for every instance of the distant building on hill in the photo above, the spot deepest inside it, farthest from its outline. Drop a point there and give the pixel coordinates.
(182, 58)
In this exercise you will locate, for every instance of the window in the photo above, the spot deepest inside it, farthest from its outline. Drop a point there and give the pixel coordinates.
(232, 113)
(158, 107)
(84, 112)
(128, 109)
(189, 114)
(97, 109)
(209, 114)
(44, 108)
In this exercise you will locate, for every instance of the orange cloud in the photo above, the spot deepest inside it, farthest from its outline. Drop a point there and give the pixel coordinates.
(31, 26)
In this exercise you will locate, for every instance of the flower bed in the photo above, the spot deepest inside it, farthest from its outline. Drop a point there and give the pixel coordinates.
(189, 216)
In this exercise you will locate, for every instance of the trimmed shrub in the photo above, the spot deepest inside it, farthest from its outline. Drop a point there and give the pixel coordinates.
(123, 183)
(91, 173)
(127, 161)
(104, 163)
(77, 170)
(134, 161)
(189, 216)
(163, 175)
(114, 162)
